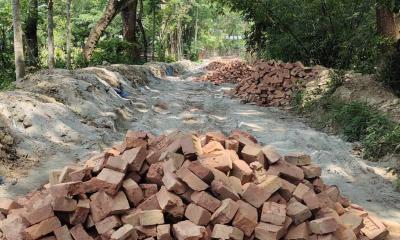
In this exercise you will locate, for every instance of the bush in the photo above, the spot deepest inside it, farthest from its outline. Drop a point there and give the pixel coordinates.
(389, 73)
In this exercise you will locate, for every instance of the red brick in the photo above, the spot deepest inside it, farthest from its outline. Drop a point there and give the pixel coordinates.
(271, 154)
(100, 205)
(54, 177)
(151, 217)
(266, 231)
(311, 201)
(186, 230)
(253, 153)
(109, 180)
(215, 136)
(226, 232)
(63, 204)
(191, 179)
(155, 173)
(259, 172)
(39, 214)
(43, 228)
(223, 190)
(213, 146)
(164, 232)
(352, 221)
(135, 139)
(150, 203)
(300, 191)
(13, 227)
(344, 233)
(66, 189)
(81, 174)
(241, 170)
(62, 233)
(173, 161)
(117, 164)
(219, 160)
(119, 203)
(191, 146)
(197, 214)
(374, 229)
(236, 184)
(124, 232)
(78, 232)
(107, 224)
(225, 213)
(149, 189)
(298, 212)
(170, 203)
(246, 218)
(135, 158)
(287, 171)
(299, 232)
(323, 225)
(81, 212)
(201, 171)
(298, 159)
(172, 183)
(64, 176)
(232, 144)
(205, 200)
(146, 231)
(287, 189)
(133, 191)
(273, 213)
(311, 171)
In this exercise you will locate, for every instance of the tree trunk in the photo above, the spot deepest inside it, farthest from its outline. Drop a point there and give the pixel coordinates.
(31, 33)
(112, 9)
(385, 21)
(18, 44)
(50, 34)
(142, 30)
(128, 14)
(68, 34)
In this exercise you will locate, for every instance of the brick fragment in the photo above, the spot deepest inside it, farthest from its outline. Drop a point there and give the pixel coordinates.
(146, 231)
(298, 159)
(212, 146)
(374, 229)
(132, 191)
(266, 231)
(63, 204)
(54, 177)
(78, 232)
(225, 213)
(42, 229)
(271, 154)
(236, 184)
(299, 232)
(119, 203)
(311, 200)
(81, 174)
(173, 161)
(223, 190)
(352, 221)
(148, 189)
(125, 232)
(64, 176)
(219, 160)
(100, 205)
(164, 232)
(241, 170)
(259, 172)
(232, 144)
(151, 217)
(273, 213)
(300, 191)
(66, 189)
(215, 136)
(287, 189)
(191, 179)
(311, 171)
(286, 170)
(155, 173)
(246, 218)
(186, 230)
(226, 232)
(117, 164)
(253, 153)
(172, 183)
(191, 146)
(197, 214)
(39, 214)
(81, 212)
(345, 233)
(298, 212)
(201, 171)
(135, 158)
(132, 217)
(170, 203)
(14, 227)
(109, 180)
(107, 224)
(62, 233)
(323, 225)
(150, 203)
(205, 200)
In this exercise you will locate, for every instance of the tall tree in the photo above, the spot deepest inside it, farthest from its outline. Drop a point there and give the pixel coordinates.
(142, 30)
(31, 33)
(18, 43)
(68, 35)
(385, 21)
(129, 15)
(50, 37)
(112, 9)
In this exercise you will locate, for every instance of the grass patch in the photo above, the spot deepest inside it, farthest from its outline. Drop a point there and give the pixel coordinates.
(6, 80)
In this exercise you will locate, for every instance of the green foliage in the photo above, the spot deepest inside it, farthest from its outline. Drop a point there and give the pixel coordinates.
(112, 51)
(389, 73)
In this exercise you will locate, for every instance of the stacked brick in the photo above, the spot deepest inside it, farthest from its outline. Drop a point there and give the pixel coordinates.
(226, 72)
(273, 83)
(187, 187)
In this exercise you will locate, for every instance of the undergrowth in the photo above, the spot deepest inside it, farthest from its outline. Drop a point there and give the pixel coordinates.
(354, 121)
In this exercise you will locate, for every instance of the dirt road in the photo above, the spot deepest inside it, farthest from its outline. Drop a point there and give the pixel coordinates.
(177, 102)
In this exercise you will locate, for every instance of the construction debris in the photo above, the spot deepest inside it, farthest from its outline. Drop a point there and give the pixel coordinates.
(186, 187)
(226, 72)
(273, 83)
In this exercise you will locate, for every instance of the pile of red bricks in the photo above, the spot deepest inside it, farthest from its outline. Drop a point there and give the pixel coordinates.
(188, 187)
(273, 83)
(226, 72)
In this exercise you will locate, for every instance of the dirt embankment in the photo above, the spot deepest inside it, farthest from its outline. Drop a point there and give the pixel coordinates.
(64, 116)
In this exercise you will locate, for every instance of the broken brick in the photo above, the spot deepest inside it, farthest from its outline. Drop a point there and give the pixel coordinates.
(197, 214)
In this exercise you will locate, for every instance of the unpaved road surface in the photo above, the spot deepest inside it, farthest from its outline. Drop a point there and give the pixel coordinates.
(179, 103)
